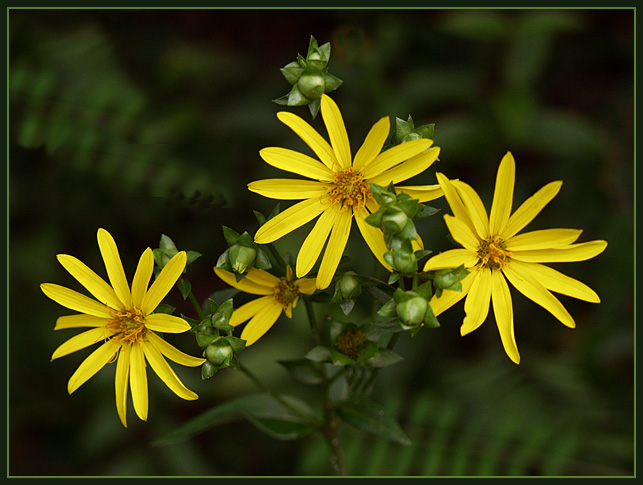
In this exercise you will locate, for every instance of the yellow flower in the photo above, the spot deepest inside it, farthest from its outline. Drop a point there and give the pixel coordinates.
(124, 321)
(493, 251)
(340, 189)
(278, 295)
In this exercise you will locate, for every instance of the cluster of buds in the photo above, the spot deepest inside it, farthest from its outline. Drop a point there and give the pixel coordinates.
(214, 336)
(309, 77)
(242, 254)
(347, 288)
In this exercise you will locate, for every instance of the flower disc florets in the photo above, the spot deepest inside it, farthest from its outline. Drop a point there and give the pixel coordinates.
(349, 189)
(128, 326)
(351, 343)
(286, 293)
(492, 253)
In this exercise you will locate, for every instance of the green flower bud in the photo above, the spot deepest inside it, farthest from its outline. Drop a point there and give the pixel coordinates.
(402, 261)
(394, 220)
(218, 355)
(242, 258)
(207, 329)
(412, 311)
(208, 370)
(312, 84)
(349, 287)
(445, 279)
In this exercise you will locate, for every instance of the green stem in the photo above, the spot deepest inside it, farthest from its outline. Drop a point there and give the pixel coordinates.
(195, 304)
(310, 310)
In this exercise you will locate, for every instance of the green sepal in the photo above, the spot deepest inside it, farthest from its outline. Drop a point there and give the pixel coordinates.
(262, 261)
(185, 287)
(292, 71)
(403, 128)
(388, 309)
(319, 353)
(384, 358)
(331, 82)
(337, 358)
(165, 308)
(296, 97)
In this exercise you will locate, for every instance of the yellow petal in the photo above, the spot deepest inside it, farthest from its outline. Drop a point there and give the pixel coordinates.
(307, 286)
(461, 233)
(390, 158)
(247, 311)
(289, 220)
(122, 382)
(313, 139)
(172, 353)
(164, 323)
(557, 282)
(166, 373)
(423, 193)
(92, 364)
(79, 321)
(531, 208)
(336, 131)
(335, 249)
(503, 194)
(114, 267)
(455, 201)
(373, 143)
(314, 242)
(575, 252)
(142, 277)
(262, 277)
(448, 298)
(373, 237)
(138, 381)
(501, 299)
(543, 239)
(295, 162)
(261, 323)
(246, 285)
(288, 310)
(91, 281)
(537, 293)
(80, 341)
(475, 208)
(289, 189)
(452, 259)
(74, 300)
(164, 282)
(476, 306)
(405, 170)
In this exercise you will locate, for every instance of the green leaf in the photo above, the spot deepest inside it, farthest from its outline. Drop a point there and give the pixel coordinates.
(371, 418)
(319, 354)
(303, 370)
(384, 359)
(168, 245)
(165, 308)
(262, 410)
(192, 256)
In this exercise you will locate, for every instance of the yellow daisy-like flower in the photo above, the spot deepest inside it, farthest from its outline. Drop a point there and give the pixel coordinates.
(340, 189)
(492, 251)
(278, 295)
(124, 321)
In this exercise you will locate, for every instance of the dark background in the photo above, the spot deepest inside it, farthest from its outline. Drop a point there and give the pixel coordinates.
(149, 122)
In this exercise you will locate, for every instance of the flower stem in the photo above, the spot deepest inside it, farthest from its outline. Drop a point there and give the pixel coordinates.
(196, 305)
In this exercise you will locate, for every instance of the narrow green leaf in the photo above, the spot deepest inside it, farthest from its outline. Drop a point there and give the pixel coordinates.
(371, 418)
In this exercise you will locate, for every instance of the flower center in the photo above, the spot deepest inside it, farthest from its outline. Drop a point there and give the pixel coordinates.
(492, 253)
(349, 189)
(127, 326)
(351, 343)
(286, 293)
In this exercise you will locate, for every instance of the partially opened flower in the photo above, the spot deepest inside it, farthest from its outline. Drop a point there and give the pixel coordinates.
(340, 187)
(494, 252)
(278, 295)
(125, 322)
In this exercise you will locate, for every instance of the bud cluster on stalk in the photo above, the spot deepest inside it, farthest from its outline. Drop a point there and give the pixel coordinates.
(309, 77)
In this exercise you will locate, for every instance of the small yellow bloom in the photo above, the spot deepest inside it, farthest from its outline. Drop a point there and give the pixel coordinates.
(278, 295)
(124, 321)
(340, 187)
(493, 251)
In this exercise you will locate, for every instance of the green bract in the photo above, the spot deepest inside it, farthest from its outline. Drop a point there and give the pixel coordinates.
(242, 255)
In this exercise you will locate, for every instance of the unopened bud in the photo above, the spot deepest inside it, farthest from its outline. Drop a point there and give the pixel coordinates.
(312, 85)
(218, 355)
(242, 258)
(394, 220)
(349, 287)
(412, 311)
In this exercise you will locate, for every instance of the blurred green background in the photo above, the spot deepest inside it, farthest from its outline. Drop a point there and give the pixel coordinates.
(149, 122)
